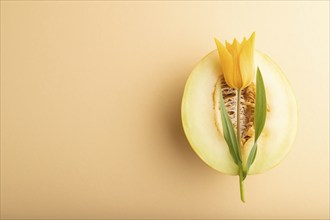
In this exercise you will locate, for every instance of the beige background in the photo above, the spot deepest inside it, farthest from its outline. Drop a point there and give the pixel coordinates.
(90, 109)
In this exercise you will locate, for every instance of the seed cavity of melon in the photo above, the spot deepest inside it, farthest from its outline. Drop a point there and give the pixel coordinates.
(246, 111)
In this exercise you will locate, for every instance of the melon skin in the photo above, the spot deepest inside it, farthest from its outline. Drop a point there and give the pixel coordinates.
(199, 123)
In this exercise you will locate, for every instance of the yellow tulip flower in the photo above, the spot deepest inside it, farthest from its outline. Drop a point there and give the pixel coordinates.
(237, 62)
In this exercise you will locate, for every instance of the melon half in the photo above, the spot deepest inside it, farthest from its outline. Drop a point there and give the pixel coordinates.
(202, 126)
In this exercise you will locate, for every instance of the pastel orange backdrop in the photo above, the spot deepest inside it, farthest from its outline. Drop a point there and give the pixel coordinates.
(90, 109)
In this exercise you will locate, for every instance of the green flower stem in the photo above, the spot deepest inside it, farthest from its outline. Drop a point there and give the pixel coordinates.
(240, 166)
(238, 120)
(241, 184)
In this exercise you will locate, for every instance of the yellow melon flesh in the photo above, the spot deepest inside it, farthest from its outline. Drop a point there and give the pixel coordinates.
(199, 117)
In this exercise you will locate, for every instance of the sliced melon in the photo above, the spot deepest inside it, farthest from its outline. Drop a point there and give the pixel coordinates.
(201, 123)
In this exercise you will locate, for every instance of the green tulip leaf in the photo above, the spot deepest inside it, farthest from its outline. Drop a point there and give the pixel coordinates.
(260, 112)
(229, 132)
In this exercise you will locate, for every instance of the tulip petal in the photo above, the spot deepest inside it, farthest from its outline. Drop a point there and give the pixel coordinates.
(226, 61)
(236, 77)
(243, 42)
(234, 48)
(246, 61)
(228, 46)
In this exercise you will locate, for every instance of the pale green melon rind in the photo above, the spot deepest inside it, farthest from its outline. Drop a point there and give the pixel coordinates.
(199, 119)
